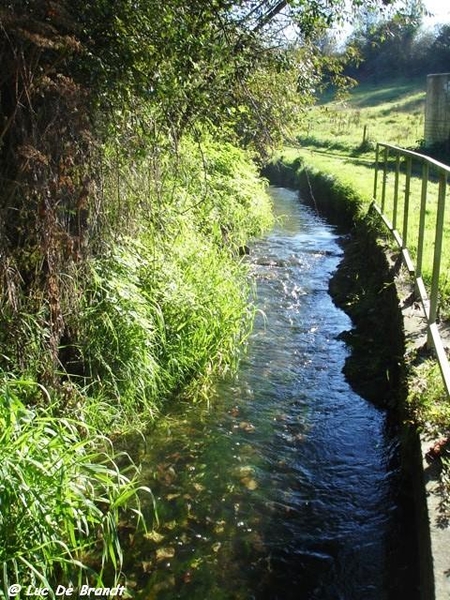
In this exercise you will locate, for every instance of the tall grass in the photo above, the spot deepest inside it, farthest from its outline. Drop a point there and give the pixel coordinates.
(162, 304)
(157, 309)
(61, 494)
(166, 309)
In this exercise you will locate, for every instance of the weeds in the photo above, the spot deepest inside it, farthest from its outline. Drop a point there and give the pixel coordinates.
(157, 309)
(427, 399)
(120, 272)
(61, 493)
(166, 309)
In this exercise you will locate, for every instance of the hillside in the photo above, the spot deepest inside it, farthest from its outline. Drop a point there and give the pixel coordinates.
(392, 113)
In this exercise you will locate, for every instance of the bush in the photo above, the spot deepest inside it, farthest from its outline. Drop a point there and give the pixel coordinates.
(167, 309)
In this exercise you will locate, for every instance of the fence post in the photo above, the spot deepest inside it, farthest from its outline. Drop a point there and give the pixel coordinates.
(383, 189)
(397, 175)
(423, 208)
(375, 178)
(429, 301)
(406, 206)
(437, 247)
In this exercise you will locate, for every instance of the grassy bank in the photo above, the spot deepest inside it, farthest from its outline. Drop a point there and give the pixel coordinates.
(392, 113)
(339, 139)
(167, 307)
(157, 313)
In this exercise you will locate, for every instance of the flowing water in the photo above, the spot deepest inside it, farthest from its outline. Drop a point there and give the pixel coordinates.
(288, 485)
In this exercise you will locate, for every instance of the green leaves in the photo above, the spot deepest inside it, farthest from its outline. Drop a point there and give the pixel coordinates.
(190, 63)
(167, 307)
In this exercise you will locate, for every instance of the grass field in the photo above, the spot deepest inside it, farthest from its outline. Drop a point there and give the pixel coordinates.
(392, 113)
(339, 138)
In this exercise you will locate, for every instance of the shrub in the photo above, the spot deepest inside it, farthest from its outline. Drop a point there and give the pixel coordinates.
(167, 306)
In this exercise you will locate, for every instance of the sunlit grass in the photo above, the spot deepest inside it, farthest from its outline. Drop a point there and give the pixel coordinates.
(61, 494)
(412, 231)
(167, 309)
(427, 399)
(340, 140)
(393, 114)
(155, 314)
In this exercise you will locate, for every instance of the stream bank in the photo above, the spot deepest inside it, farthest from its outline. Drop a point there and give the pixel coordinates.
(363, 286)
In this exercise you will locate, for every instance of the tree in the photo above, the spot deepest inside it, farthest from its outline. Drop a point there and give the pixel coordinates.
(438, 57)
(81, 74)
(384, 48)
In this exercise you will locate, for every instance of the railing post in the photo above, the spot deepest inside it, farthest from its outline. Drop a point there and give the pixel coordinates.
(437, 247)
(383, 189)
(429, 301)
(423, 208)
(406, 205)
(397, 175)
(375, 177)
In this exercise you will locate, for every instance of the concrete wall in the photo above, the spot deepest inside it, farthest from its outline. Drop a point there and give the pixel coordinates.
(437, 109)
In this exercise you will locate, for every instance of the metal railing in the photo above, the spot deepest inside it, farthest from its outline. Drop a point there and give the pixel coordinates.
(395, 208)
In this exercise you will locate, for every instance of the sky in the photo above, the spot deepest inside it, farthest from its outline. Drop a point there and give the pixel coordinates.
(439, 13)
(440, 10)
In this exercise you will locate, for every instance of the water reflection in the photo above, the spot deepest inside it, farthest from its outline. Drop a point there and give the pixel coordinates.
(287, 487)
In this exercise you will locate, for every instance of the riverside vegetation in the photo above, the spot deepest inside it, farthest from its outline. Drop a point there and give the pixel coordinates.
(121, 280)
(154, 316)
(130, 134)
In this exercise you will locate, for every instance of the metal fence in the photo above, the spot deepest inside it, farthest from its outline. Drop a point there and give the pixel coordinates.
(411, 201)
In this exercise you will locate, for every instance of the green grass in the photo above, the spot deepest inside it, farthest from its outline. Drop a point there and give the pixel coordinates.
(155, 314)
(340, 139)
(427, 399)
(430, 228)
(392, 114)
(61, 493)
(167, 308)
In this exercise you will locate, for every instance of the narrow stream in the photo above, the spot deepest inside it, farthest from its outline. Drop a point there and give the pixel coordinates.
(288, 485)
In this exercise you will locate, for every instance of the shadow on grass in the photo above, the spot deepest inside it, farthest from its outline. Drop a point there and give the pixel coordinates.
(354, 156)
(369, 97)
(411, 106)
